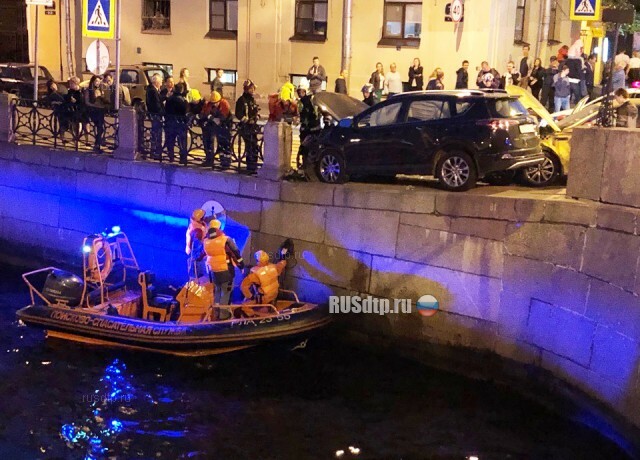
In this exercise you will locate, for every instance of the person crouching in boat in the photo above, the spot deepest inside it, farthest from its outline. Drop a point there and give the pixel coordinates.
(196, 221)
(261, 285)
(221, 253)
(195, 261)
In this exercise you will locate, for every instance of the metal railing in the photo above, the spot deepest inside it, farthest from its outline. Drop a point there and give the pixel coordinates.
(194, 140)
(64, 126)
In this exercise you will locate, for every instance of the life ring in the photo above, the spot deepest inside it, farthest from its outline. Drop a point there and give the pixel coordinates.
(100, 260)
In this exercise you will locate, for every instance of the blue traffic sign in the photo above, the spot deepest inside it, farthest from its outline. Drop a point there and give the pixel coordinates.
(585, 10)
(98, 18)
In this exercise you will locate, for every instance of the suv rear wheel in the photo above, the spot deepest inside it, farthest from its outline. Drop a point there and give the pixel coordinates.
(456, 171)
(331, 167)
(546, 173)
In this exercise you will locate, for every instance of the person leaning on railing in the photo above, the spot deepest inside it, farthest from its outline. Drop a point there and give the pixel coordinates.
(215, 119)
(176, 109)
(73, 109)
(247, 112)
(155, 108)
(96, 103)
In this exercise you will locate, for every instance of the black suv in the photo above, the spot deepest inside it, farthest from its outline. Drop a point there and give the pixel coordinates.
(457, 136)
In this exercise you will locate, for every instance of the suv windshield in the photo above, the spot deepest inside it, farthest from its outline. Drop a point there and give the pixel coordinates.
(506, 108)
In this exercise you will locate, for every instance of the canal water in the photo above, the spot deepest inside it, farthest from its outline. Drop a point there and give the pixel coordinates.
(60, 400)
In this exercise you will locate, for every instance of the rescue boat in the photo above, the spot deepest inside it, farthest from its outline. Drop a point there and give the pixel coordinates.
(114, 303)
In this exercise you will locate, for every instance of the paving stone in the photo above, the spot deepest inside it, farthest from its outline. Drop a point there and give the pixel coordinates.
(556, 243)
(7, 150)
(34, 155)
(460, 293)
(615, 308)
(67, 160)
(293, 220)
(450, 250)
(615, 357)
(102, 188)
(619, 184)
(548, 328)
(469, 205)
(96, 164)
(588, 147)
(611, 256)
(259, 188)
(430, 221)
(30, 206)
(570, 212)
(214, 182)
(407, 199)
(307, 192)
(364, 230)
(617, 218)
(482, 228)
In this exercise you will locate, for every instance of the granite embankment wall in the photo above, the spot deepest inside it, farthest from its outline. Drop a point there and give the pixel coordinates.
(541, 280)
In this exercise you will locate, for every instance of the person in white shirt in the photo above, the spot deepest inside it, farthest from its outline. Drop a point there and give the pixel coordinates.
(393, 82)
(634, 67)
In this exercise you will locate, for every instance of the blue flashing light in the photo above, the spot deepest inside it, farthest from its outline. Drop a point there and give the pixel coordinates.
(115, 229)
(86, 249)
(116, 426)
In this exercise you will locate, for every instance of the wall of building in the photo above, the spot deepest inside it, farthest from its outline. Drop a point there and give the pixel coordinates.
(543, 281)
(264, 52)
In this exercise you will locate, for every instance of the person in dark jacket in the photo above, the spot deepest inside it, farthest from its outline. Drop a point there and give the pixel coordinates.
(589, 73)
(309, 120)
(510, 77)
(155, 107)
(73, 108)
(247, 112)
(216, 84)
(488, 77)
(96, 103)
(167, 90)
(341, 84)
(316, 76)
(377, 80)
(176, 109)
(548, 92)
(56, 101)
(436, 83)
(416, 79)
(536, 78)
(562, 85)
(367, 95)
(462, 76)
(626, 112)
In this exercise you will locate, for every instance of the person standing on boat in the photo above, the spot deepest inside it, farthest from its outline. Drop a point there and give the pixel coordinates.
(195, 261)
(221, 253)
(264, 277)
(196, 221)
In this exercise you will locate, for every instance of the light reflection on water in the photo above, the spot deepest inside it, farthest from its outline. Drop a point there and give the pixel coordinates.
(65, 400)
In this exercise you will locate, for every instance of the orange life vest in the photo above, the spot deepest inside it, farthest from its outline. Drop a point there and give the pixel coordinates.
(217, 254)
(269, 285)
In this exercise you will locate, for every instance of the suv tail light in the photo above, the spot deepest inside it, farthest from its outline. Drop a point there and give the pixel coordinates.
(498, 123)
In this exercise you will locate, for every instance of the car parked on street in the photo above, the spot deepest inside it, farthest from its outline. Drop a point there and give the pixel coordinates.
(458, 136)
(18, 79)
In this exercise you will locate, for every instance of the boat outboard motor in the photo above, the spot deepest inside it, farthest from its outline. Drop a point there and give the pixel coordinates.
(62, 287)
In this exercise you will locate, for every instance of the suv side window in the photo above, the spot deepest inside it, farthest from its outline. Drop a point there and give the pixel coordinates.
(129, 76)
(425, 110)
(384, 116)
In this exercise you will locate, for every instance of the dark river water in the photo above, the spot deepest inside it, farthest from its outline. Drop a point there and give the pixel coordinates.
(326, 401)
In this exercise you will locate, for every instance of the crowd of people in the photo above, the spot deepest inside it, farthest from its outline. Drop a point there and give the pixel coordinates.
(568, 77)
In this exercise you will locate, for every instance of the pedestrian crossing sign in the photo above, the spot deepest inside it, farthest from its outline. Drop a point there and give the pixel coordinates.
(586, 10)
(99, 18)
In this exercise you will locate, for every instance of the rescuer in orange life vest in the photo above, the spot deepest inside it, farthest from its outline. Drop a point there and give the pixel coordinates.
(221, 253)
(196, 222)
(265, 277)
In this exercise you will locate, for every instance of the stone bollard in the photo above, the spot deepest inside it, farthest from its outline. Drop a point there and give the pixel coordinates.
(6, 119)
(277, 151)
(127, 134)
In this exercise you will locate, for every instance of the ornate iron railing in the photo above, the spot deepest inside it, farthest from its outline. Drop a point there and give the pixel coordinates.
(61, 126)
(194, 140)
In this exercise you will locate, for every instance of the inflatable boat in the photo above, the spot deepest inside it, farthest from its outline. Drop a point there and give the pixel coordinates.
(114, 304)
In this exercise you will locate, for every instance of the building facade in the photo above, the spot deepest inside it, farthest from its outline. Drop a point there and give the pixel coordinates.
(267, 40)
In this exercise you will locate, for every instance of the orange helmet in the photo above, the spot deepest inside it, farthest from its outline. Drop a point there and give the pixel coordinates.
(198, 214)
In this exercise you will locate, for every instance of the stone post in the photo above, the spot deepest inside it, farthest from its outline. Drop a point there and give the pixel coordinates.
(127, 134)
(277, 151)
(6, 118)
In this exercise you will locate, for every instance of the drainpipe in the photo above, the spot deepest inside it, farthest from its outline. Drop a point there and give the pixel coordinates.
(543, 29)
(67, 12)
(347, 14)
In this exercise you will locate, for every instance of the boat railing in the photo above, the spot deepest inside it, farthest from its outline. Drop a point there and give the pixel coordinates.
(32, 288)
(292, 293)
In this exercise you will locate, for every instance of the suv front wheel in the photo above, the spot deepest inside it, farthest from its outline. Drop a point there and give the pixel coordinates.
(456, 171)
(331, 167)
